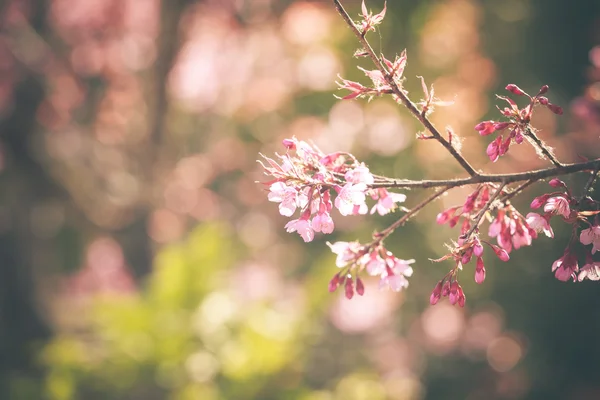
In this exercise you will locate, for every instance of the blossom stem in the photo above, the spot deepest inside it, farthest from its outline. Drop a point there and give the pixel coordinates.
(536, 175)
(485, 209)
(542, 147)
(401, 95)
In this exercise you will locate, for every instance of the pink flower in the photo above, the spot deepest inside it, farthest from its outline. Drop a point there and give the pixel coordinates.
(359, 174)
(387, 201)
(565, 267)
(347, 252)
(558, 205)
(493, 149)
(539, 224)
(486, 127)
(591, 270)
(322, 222)
(349, 196)
(376, 265)
(395, 274)
(303, 227)
(591, 235)
(286, 195)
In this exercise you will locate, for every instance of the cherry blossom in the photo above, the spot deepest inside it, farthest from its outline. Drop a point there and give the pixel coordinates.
(350, 196)
(303, 227)
(539, 224)
(590, 270)
(591, 236)
(566, 267)
(558, 205)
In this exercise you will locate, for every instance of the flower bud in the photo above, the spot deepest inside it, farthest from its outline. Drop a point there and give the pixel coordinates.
(543, 100)
(360, 287)
(349, 289)
(501, 125)
(446, 289)
(514, 89)
(556, 183)
(477, 248)
(501, 253)
(479, 271)
(436, 294)
(543, 89)
(485, 128)
(539, 201)
(555, 109)
(334, 283)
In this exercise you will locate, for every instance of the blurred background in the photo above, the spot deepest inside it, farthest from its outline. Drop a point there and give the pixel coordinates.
(139, 258)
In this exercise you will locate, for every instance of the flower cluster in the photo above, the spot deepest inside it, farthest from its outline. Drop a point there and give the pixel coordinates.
(519, 121)
(353, 258)
(462, 253)
(313, 184)
(306, 179)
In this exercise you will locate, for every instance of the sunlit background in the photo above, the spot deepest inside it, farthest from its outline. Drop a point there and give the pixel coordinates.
(139, 258)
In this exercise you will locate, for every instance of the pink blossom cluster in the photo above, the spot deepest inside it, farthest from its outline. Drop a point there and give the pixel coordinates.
(472, 205)
(462, 253)
(306, 179)
(353, 258)
(519, 121)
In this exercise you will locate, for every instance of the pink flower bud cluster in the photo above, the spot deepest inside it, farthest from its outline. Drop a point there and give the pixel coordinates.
(462, 254)
(306, 179)
(519, 123)
(472, 205)
(353, 258)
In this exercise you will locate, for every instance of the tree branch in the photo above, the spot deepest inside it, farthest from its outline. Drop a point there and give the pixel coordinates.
(401, 95)
(536, 175)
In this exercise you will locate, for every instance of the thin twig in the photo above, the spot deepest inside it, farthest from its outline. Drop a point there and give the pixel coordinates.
(485, 209)
(536, 175)
(401, 95)
(379, 236)
(542, 147)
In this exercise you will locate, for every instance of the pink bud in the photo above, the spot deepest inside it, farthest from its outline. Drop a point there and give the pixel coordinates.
(555, 183)
(555, 109)
(539, 201)
(543, 89)
(501, 125)
(453, 297)
(478, 248)
(445, 216)
(466, 257)
(461, 298)
(435, 295)
(543, 100)
(453, 221)
(465, 226)
(479, 271)
(334, 283)
(501, 253)
(514, 89)
(446, 289)
(360, 287)
(485, 128)
(349, 288)
(493, 149)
